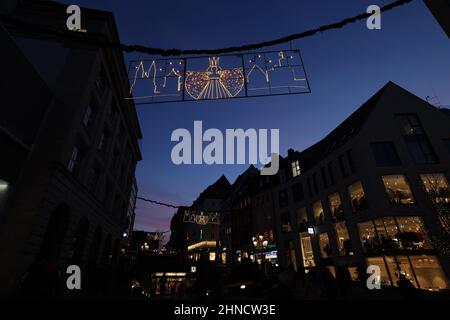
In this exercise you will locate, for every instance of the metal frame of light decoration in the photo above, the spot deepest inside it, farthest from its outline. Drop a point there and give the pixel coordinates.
(183, 96)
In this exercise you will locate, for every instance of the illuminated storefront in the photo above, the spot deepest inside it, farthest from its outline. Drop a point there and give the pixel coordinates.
(400, 246)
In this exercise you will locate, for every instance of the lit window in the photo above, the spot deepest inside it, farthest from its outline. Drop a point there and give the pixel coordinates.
(295, 168)
(307, 251)
(390, 234)
(302, 219)
(398, 190)
(429, 273)
(368, 236)
(336, 209)
(436, 186)
(384, 276)
(319, 217)
(212, 256)
(357, 196)
(324, 245)
(343, 239)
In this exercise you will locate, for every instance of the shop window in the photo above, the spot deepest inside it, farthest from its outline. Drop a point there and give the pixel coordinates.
(319, 217)
(412, 234)
(357, 196)
(436, 186)
(337, 211)
(388, 234)
(384, 275)
(324, 245)
(398, 189)
(302, 219)
(405, 269)
(429, 273)
(343, 239)
(368, 236)
(307, 251)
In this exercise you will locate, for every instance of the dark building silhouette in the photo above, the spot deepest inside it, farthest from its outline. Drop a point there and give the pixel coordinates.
(69, 144)
(441, 12)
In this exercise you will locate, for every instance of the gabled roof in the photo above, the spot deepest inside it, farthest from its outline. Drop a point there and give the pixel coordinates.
(345, 131)
(217, 190)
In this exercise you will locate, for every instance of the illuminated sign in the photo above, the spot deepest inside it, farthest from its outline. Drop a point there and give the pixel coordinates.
(217, 77)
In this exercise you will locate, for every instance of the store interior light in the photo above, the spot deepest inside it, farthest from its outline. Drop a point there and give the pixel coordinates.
(3, 185)
(311, 230)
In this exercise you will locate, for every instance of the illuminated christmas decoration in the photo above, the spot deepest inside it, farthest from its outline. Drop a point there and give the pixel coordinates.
(201, 218)
(214, 83)
(217, 77)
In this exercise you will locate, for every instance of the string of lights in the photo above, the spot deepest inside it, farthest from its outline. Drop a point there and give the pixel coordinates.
(97, 39)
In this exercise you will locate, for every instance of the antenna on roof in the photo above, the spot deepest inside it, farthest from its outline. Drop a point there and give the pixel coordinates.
(434, 100)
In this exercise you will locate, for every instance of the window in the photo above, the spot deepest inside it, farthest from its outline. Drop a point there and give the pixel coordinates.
(436, 186)
(343, 239)
(409, 124)
(295, 168)
(420, 149)
(397, 189)
(297, 191)
(318, 212)
(104, 140)
(384, 275)
(412, 234)
(368, 237)
(429, 273)
(330, 172)
(417, 142)
(302, 219)
(324, 245)
(350, 161)
(88, 116)
(283, 198)
(286, 222)
(357, 196)
(337, 212)
(342, 166)
(324, 177)
(75, 160)
(393, 233)
(385, 154)
(307, 251)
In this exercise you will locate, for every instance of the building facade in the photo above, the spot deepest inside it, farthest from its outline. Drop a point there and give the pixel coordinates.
(375, 191)
(69, 144)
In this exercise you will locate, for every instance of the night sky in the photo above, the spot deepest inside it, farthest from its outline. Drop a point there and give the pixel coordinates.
(345, 67)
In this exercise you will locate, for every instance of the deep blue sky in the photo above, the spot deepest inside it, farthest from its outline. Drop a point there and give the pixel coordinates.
(345, 68)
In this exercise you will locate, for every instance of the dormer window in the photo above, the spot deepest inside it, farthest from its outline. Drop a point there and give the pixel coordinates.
(295, 168)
